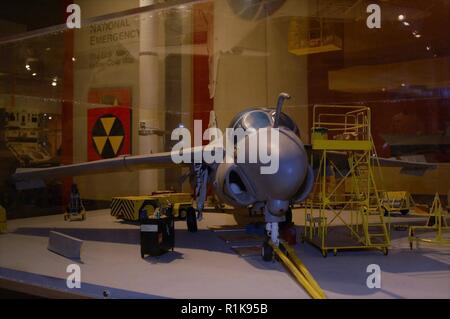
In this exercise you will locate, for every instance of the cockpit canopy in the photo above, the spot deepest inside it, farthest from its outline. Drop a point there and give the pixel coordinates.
(261, 118)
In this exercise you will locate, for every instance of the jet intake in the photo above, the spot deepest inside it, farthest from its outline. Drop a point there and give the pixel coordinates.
(232, 186)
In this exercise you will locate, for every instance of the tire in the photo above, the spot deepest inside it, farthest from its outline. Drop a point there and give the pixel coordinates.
(288, 220)
(191, 220)
(267, 252)
(288, 216)
(182, 214)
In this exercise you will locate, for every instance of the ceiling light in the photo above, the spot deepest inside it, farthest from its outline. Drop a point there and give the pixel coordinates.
(417, 35)
(34, 74)
(406, 23)
(28, 67)
(403, 84)
(428, 48)
(54, 83)
(73, 59)
(401, 17)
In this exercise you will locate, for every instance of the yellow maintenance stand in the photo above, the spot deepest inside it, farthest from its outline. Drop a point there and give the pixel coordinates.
(436, 223)
(345, 190)
(3, 228)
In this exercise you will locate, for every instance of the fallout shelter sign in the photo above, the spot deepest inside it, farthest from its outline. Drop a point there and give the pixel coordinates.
(108, 132)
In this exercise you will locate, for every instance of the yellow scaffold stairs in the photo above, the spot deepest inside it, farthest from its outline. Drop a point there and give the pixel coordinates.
(436, 223)
(344, 211)
(289, 258)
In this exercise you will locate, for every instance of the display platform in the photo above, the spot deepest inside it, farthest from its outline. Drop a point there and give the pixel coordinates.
(204, 265)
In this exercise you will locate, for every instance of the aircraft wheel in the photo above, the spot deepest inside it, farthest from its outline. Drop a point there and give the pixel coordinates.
(267, 252)
(385, 251)
(191, 220)
(182, 213)
(288, 216)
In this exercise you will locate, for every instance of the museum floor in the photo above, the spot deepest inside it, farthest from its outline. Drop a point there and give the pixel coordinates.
(204, 266)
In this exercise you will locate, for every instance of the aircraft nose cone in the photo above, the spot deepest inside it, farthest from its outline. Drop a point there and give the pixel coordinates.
(282, 177)
(292, 168)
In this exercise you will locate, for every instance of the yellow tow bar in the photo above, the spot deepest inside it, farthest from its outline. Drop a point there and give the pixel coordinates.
(298, 270)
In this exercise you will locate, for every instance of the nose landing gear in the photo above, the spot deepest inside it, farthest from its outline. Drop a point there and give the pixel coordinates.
(273, 232)
(275, 248)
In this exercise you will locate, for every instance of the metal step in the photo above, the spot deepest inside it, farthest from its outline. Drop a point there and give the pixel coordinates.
(376, 225)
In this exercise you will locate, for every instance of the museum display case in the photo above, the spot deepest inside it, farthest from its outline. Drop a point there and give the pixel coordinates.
(135, 71)
(166, 67)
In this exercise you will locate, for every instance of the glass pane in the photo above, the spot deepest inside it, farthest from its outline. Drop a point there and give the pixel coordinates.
(135, 71)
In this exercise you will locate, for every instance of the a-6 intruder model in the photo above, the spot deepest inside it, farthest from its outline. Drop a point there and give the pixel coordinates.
(235, 183)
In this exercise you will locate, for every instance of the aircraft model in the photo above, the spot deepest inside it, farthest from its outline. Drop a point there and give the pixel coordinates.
(235, 183)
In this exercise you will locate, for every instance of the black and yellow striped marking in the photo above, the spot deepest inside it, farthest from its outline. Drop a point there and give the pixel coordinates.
(125, 208)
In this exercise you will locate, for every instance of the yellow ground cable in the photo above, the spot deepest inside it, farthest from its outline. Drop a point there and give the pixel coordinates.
(297, 274)
(302, 268)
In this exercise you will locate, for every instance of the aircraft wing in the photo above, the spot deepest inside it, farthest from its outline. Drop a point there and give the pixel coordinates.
(31, 178)
(407, 167)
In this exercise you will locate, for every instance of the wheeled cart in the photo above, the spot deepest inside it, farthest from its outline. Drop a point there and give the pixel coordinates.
(157, 236)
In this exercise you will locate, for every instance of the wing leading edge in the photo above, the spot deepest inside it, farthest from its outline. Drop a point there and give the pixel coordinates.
(30, 178)
(406, 167)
